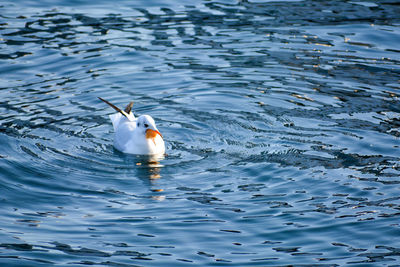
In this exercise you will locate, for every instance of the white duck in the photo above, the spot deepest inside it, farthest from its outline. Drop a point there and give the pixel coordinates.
(135, 135)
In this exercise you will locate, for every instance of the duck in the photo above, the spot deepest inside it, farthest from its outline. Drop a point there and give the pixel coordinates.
(132, 135)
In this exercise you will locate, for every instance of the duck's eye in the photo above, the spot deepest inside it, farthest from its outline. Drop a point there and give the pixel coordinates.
(138, 124)
(146, 125)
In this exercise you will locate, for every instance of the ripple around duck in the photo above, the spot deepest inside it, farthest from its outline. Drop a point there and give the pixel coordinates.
(280, 119)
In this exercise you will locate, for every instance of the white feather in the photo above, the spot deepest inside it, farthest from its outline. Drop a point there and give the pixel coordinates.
(130, 138)
(135, 135)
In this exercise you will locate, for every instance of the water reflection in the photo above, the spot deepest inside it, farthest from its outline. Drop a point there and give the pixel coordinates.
(148, 168)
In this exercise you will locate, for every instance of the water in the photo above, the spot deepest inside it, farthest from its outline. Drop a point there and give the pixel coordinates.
(281, 121)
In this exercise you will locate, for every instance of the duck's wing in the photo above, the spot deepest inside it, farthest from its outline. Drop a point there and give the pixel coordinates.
(128, 108)
(128, 115)
(116, 118)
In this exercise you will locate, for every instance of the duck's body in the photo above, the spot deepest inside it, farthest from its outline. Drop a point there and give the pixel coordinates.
(136, 135)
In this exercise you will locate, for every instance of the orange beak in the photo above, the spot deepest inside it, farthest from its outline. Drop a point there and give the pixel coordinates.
(150, 133)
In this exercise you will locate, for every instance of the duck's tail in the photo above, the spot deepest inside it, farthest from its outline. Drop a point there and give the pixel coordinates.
(116, 118)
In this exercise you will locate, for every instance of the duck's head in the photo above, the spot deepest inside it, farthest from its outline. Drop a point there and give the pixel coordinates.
(147, 126)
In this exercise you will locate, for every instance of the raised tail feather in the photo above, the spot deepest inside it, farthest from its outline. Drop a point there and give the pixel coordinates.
(116, 118)
(125, 112)
(128, 108)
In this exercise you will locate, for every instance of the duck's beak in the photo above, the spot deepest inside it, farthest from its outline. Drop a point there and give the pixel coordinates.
(150, 133)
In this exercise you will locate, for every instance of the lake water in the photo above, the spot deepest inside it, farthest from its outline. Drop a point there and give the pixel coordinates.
(281, 121)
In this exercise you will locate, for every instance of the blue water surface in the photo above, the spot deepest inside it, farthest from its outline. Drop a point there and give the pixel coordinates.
(281, 121)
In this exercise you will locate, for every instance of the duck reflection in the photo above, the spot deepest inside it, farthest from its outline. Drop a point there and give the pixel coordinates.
(148, 169)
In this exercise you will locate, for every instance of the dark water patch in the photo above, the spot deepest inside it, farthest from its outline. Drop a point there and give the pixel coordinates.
(22, 247)
(79, 252)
